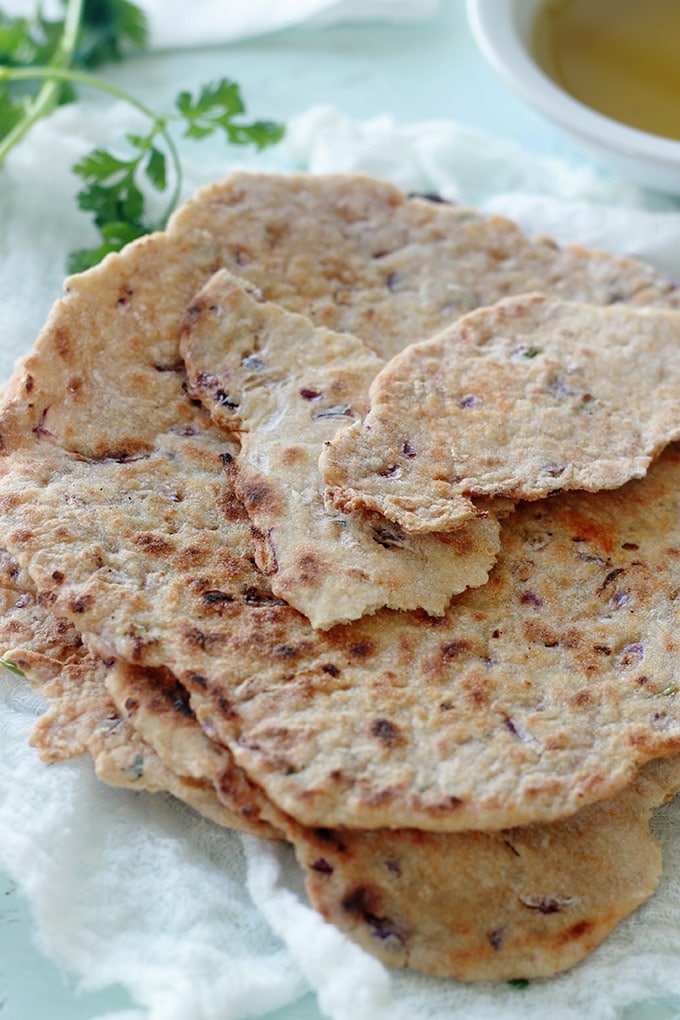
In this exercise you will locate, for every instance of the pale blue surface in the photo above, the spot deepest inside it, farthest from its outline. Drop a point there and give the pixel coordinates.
(415, 72)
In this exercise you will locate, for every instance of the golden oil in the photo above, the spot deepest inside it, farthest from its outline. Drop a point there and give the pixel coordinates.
(619, 57)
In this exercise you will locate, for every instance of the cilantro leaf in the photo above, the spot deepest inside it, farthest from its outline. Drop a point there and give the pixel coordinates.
(109, 29)
(215, 109)
(40, 62)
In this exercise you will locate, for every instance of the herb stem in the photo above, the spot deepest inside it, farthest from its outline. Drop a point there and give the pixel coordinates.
(63, 74)
(47, 97)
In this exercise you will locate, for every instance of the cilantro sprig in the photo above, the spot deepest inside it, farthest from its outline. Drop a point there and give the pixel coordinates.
(43, 64)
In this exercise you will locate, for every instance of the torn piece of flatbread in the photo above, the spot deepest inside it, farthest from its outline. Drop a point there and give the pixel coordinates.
(522, 903)
(527, 397)
(285, 387)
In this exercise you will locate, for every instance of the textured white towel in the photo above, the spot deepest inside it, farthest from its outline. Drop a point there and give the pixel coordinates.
(197, 923)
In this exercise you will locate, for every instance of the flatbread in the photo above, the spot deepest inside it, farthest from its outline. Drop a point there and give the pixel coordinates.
(81, 717)
(351, 252)
(113, 497)
(523, 903)
(475, 906)
(285, 387)
(536, 694)
(528, 397)
(157, 707)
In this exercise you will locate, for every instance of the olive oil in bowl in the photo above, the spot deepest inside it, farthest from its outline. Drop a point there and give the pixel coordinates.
(619, 57)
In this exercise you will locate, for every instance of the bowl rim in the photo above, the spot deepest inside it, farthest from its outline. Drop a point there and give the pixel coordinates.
(494, 27)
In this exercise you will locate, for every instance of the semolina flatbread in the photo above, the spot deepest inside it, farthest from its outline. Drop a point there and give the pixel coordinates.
(528, 397)
(285, 387)
(522, 903)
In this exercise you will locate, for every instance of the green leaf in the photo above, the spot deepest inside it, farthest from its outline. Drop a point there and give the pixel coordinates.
(115, 236)
(110, 29)
(155, 169)
(215, 109)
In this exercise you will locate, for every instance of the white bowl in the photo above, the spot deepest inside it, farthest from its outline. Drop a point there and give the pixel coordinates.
(502, 29)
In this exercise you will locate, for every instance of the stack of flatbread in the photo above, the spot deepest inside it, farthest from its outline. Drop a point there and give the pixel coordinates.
(352, 519)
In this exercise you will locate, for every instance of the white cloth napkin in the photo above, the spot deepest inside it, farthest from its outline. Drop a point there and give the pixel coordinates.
(201, 924)
(178, 23)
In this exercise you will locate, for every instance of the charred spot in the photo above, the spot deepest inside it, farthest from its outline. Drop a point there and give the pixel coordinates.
(445, 706)
(577, 931)
(362, 649)
(408, 450)
(62, 342)
(124, 295)
(388, 732)
(392, 282)
(394, 867)
(309, 566)
(154, 544)
(226, 458)
(308, 394)
(194, 637)
(57, 577)
(330, 669)
(633, 546)
(321, 866)
(454, 649)
(389, 472)
(197, 680)
(215, 596)
(28, 384)
(602, 649)
(530, 598)
(225, 400)
(496, 938)
(258, 494)
(131, 705)
(496, 634)
(80, 604)
(325, 835)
